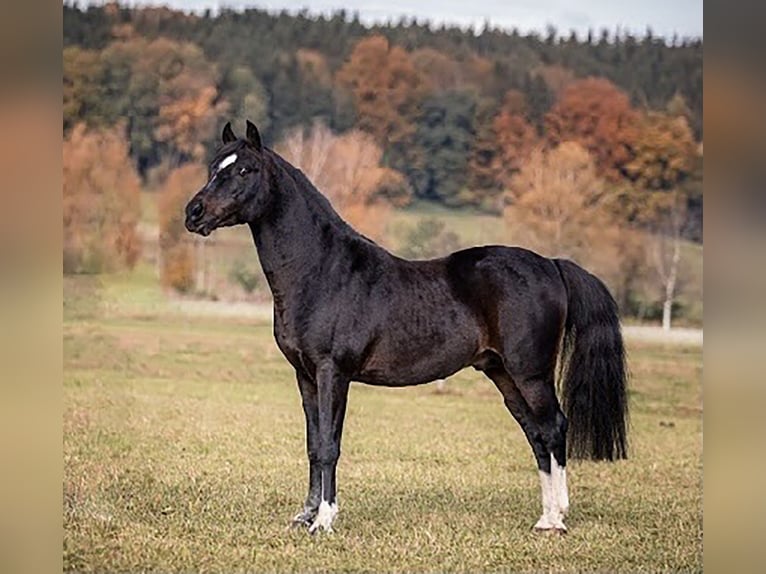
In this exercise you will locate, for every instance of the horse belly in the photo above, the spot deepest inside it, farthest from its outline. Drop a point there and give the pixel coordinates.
(402, 358)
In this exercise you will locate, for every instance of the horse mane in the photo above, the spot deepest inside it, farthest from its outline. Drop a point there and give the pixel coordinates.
(316, 200)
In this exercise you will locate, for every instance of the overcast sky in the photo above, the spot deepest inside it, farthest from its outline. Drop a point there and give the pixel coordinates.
(665, 17)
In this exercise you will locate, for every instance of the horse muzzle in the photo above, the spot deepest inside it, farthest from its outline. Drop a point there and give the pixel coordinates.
(195, 214)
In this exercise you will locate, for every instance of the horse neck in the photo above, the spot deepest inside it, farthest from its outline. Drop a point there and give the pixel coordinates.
(299, 227)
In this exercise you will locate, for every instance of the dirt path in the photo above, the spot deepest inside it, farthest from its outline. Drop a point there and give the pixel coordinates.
(651, 333)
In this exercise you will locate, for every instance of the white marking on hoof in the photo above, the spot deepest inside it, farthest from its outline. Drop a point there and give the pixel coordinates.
(546, 523)
(325, 517)
(559, 478)
(227, 161)
(552, 517)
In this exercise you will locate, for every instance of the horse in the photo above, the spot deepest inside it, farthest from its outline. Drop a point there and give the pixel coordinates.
(346, 309)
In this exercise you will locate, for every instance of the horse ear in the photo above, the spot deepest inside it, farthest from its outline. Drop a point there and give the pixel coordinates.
(253, 136)
(228, 134)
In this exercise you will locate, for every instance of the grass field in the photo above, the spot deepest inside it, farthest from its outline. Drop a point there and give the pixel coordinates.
(184, 451)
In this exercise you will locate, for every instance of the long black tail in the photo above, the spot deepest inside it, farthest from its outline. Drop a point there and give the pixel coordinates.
(593, 377)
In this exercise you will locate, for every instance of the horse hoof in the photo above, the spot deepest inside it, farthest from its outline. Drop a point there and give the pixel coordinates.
(557, 530)
(303, 519)
(324, 517)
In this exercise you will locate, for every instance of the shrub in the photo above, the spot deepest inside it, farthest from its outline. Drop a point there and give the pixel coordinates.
(246, 276)
(177, 261)
(101, 202)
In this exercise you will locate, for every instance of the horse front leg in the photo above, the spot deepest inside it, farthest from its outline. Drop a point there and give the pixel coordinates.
(308, 390)
(332, 394)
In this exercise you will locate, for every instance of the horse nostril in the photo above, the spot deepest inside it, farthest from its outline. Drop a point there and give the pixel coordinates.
(196, 210)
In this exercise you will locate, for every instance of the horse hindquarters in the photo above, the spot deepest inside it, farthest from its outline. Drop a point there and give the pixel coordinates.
(593, 382)
(525, 323)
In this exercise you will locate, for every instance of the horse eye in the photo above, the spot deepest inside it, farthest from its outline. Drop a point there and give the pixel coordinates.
(243, 171)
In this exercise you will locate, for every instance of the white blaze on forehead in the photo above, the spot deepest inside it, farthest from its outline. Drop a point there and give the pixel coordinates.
(227, 161)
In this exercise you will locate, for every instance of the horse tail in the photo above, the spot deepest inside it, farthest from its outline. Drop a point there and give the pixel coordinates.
(593, 373)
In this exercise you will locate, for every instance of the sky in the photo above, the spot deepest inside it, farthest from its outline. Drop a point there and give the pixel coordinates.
(664, 17)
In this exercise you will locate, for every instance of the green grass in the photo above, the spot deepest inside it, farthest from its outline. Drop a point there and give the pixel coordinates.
(184, 451)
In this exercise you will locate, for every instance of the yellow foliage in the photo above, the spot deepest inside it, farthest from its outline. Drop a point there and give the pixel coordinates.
(559, 206)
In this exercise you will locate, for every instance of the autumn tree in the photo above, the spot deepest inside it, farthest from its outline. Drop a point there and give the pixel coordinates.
(177, 250)
(386, 88)
(167, 90)
(184, 124)
(347, 169)
(560, 206)
(664, 160)
(598, 115)
(516, 137)
(83, 91)
(101, 202)
(502, 144)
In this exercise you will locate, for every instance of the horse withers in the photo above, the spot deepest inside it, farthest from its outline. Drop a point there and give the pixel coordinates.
(345, 309)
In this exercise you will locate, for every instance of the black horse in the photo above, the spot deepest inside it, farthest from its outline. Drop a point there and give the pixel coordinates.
(345, 309)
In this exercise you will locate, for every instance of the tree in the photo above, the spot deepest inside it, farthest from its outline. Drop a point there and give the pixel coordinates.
(558, 204)
(502, 143)
(556, 77)
(663, 162)
(347, 169)
(101, 202)
(167, 91)
(386, 88)
(516, 137)
(83, 92)
(598, 115)
(441, 72)
(246, 95)
(184, 125)
(438, 166)
(177, 254)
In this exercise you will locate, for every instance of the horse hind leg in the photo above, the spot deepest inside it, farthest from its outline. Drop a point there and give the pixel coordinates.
(534, 405)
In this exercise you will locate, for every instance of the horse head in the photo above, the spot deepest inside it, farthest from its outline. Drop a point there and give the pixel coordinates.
(237, 188)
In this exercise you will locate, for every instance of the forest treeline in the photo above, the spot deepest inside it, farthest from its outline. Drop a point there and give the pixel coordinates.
(583, 136)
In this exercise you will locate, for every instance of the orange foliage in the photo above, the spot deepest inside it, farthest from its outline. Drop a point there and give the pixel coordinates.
(80, 91)
(386, 88)
(598, 115)
(187, 121)
(177, 264)
(477, 71)
(664, 152)
(501, 148)
(101, 202)
(174, 85)
(515, 137)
